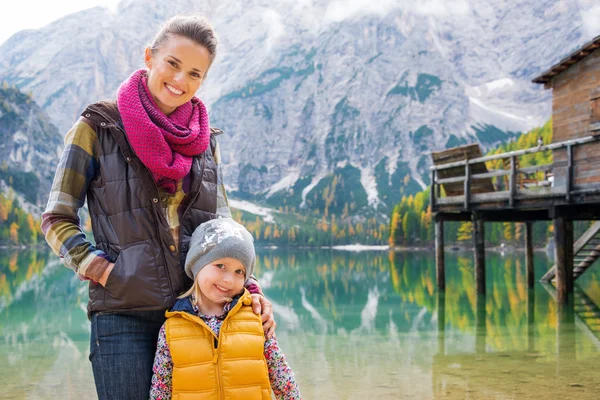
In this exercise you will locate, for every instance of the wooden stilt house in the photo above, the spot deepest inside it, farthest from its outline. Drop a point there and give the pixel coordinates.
(462, 191)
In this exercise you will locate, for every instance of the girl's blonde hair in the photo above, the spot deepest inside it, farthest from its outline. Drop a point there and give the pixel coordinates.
(194, 291)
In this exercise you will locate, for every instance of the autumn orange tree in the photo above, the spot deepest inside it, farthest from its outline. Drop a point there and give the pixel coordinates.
(17, 227)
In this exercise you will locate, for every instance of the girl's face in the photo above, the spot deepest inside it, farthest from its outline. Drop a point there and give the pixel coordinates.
(175, 71)
(221, 280)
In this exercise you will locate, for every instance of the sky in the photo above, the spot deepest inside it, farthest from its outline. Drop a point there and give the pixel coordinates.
(32, 14)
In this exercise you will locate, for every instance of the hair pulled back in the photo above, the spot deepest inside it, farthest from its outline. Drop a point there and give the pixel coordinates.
(195, 28)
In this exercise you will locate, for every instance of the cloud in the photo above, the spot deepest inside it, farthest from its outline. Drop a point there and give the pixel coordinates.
(591, 22)
(340, 10)
(276, 29)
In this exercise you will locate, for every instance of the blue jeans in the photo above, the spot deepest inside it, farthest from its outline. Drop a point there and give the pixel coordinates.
(122, 347)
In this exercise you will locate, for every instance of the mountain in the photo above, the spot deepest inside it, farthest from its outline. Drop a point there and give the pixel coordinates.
(327, 105)
(30, 146)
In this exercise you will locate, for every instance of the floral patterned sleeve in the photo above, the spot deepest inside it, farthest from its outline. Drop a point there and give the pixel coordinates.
(282, 378)
(162, 370)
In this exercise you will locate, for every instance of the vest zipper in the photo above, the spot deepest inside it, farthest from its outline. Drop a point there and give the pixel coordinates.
(216, 354)
(194, 199)
(218, 367)
(153, 207)
(217, 362)
(216, 359)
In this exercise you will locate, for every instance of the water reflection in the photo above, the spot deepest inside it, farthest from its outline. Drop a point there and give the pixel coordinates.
(354, 325)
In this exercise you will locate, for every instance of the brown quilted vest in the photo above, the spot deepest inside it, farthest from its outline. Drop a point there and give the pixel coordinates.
(129, 224)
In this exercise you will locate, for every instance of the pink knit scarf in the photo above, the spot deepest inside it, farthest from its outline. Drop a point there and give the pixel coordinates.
(166, 145)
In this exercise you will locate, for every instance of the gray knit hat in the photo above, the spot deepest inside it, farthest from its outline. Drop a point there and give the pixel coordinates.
(220, 238)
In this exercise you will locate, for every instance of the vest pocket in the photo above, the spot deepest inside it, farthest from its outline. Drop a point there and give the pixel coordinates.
(134, 281)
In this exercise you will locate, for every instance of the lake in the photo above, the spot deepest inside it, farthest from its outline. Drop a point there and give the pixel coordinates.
(353, 325)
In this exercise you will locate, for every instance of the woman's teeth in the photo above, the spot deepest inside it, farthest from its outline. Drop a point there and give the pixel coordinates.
(173, 90)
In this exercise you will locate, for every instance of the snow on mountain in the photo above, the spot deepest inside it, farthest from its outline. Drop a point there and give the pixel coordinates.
(326, 104)
(29, 149)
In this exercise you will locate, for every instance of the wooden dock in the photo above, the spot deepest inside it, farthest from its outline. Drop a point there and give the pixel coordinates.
(463, 190)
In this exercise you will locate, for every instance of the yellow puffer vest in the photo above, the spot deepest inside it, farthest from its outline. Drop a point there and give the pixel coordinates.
(229, 367)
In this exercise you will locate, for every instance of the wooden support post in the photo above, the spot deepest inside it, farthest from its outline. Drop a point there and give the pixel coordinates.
(565, 340)
(531, 320)
(432, 192)
(441, 321)
(440, 270)
(480, 325)
(563, 238)
(569, 255)
(569, 183)
(529, 253)
(467, 186)
(512, 186)
(479, 238)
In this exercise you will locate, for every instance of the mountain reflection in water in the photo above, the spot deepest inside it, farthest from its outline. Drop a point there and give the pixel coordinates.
(353, 326)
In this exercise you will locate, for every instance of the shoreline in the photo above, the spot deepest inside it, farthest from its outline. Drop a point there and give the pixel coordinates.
(342, 247)
(24, 247)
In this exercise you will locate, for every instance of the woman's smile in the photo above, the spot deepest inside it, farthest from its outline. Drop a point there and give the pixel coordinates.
(174, 90)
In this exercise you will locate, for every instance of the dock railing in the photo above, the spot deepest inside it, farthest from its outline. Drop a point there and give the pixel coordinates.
(512, 194)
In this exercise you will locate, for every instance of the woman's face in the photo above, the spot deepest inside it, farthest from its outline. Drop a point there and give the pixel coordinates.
(175, 71)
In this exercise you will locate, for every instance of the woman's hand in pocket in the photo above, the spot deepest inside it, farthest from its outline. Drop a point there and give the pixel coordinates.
(105, 274)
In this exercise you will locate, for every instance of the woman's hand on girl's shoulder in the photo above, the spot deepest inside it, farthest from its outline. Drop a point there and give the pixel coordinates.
(261, 306)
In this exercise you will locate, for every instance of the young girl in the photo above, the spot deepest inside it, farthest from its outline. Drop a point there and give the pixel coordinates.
(212, 345)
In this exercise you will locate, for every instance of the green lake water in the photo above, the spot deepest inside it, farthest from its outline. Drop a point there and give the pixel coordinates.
(368, 325)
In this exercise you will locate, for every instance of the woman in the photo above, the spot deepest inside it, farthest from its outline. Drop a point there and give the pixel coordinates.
(149, 167)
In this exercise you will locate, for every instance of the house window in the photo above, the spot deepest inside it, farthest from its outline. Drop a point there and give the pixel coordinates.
(595, 110)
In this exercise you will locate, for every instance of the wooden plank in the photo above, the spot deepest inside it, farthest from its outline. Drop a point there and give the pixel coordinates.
(563, 238)
(432, 192)
(569, 172)
(457, 186)
(453, 216)
(590, 253)
(439, 255)
(590, 190)
(586, 237)
(491, 174)
(535, 168)
(529, 253)
(479, 238)
(531, 327)
(586, 212)
(467, 185)
(532, 150)
(521, 195)
(585, 206)
(441, 322)
(473, 177)
(512, 184)
(480, 325)
(577, 247)
(457, 153)
(514, 215)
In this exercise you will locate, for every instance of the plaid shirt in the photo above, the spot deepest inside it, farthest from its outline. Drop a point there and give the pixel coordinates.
(61, 225)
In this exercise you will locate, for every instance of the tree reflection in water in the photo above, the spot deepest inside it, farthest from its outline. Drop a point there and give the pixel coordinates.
(353, 325)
